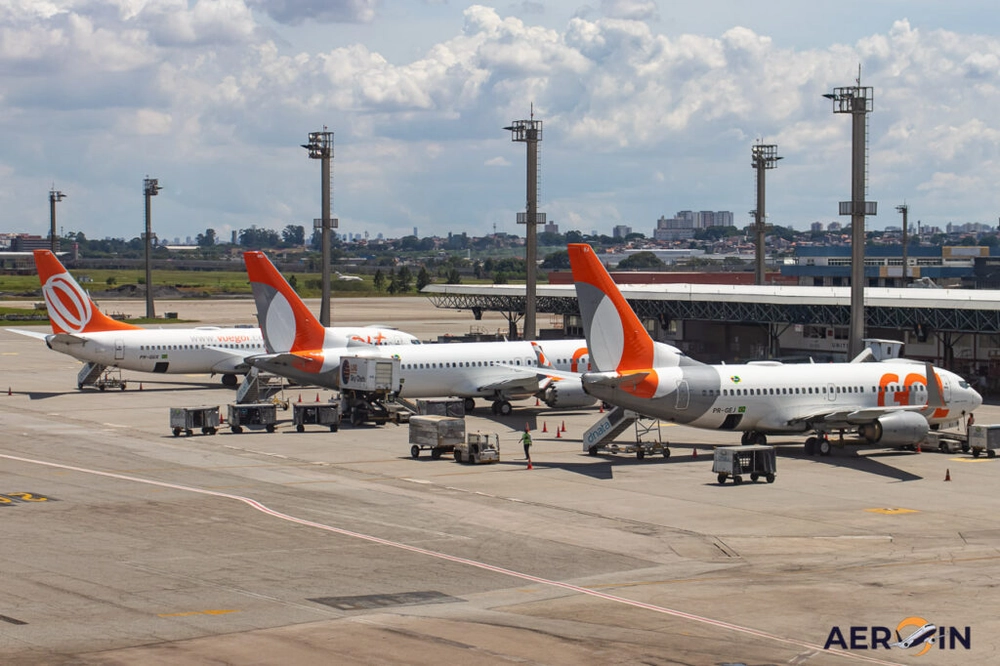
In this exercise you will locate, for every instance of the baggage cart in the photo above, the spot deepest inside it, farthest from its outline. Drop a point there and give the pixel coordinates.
(984, 439)
(441, 406)
(316, 413)
(252, 415)
(189, 419)
(736, 461)
(479, 448)
(440, 434)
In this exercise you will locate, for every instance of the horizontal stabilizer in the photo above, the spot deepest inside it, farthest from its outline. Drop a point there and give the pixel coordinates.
(38, 335)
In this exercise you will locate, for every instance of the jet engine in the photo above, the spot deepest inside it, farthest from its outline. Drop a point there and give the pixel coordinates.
(896, 429)
(567, 394)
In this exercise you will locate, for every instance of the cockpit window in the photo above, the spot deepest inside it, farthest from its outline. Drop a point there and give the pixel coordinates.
(963, 384)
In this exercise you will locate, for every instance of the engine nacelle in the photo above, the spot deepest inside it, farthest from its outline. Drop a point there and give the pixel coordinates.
(567, 394)
(896, 429)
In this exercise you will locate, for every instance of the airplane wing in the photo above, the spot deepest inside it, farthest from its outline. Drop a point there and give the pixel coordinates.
(527, 383)
(235, 353)
(289, 359)
(31, 334)
(852, 417)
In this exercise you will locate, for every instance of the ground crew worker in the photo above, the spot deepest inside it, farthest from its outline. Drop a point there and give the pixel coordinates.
(526, 441)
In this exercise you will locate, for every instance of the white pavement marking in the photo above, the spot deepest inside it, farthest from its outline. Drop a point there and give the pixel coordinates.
(461, 560)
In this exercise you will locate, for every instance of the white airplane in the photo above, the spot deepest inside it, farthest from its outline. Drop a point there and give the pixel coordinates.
(348, 278)
(892, 402)
(299, 351)
(82, 331)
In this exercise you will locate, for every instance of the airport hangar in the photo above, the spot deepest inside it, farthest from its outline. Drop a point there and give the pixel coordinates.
(958, 329)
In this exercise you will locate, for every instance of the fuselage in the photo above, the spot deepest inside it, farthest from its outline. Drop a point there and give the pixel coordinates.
(467, 369)
(776, 398)
(202, 350)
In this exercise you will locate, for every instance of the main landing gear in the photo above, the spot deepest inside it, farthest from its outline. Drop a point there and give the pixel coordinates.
(502, 407)
(820, 445)
(753, 437)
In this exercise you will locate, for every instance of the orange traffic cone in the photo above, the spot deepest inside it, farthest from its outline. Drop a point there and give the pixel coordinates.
(694, 452)
(947, 475)
(317, 397)
(537, 403)
(545, 426)
(918, 448)
(564, 426)
(558, 433)
(602, 407)
(300, 397)
(529, 464)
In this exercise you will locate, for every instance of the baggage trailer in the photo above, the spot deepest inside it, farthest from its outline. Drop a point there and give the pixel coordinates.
(479, 448)
(254, 414)
(984, 439)
(189, 419)
(441, 406)
(440, 434)
(367, 388)
(316, 413)
(734, 461)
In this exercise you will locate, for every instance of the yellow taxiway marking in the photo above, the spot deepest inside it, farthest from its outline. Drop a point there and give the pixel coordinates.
(973, 460)
(204, 612)
(892, 512)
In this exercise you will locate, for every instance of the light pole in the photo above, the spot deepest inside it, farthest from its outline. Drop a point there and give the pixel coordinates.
(150, 188)
(54, 197)
(905, 210)
(320, 147)
(857, 101)
(530, 132)
(762, 157)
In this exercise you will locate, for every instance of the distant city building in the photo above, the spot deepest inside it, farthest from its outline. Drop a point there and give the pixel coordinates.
(27, 243)
(834, 227)
(621, 231)
(551, 228)
(683, 225)
(415, 232)
(816, 227)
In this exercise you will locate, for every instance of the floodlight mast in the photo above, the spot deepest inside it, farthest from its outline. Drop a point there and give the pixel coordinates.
(762, 157)
(530, 132)
(905, 210)
(55, 196)
(857, 101)
(150, 188)
(320, 147)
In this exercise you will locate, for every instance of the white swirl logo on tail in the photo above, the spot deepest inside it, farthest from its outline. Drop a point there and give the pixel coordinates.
(69, 308)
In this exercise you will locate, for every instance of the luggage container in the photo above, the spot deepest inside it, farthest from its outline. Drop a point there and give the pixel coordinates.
(189, 419)
(316, 413)
(984, 439)
(454, 407)
(440, 434)
(736, 461)
(256, 414)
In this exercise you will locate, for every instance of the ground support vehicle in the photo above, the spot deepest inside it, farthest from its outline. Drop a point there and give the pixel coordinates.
(316, 413)
(755, 460)
(479, 448)
(599, 438)
(253, 415)
(946, 441)
(439, 434)
(189, 419)
(111, 379)
(984, 439)
(441, 406)
(368, 387)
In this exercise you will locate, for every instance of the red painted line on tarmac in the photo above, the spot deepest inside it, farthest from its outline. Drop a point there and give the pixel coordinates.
(461, 560)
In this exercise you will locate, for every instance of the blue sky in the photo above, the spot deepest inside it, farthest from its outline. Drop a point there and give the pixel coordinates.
(648, 108)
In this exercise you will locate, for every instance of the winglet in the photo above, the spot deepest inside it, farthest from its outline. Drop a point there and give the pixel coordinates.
(70, 308)
(935, 399)
(285, 322)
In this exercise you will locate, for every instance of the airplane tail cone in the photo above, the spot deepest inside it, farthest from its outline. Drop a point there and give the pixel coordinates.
(545, 426)
(947, 475)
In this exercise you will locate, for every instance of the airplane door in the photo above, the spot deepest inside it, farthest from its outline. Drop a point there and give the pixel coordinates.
(683, 394)
(946, 390)
(119, 350)
(831, 392)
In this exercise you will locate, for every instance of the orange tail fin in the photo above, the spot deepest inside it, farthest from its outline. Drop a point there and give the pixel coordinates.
(70, 308)
(617, 339)
(285, 321)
